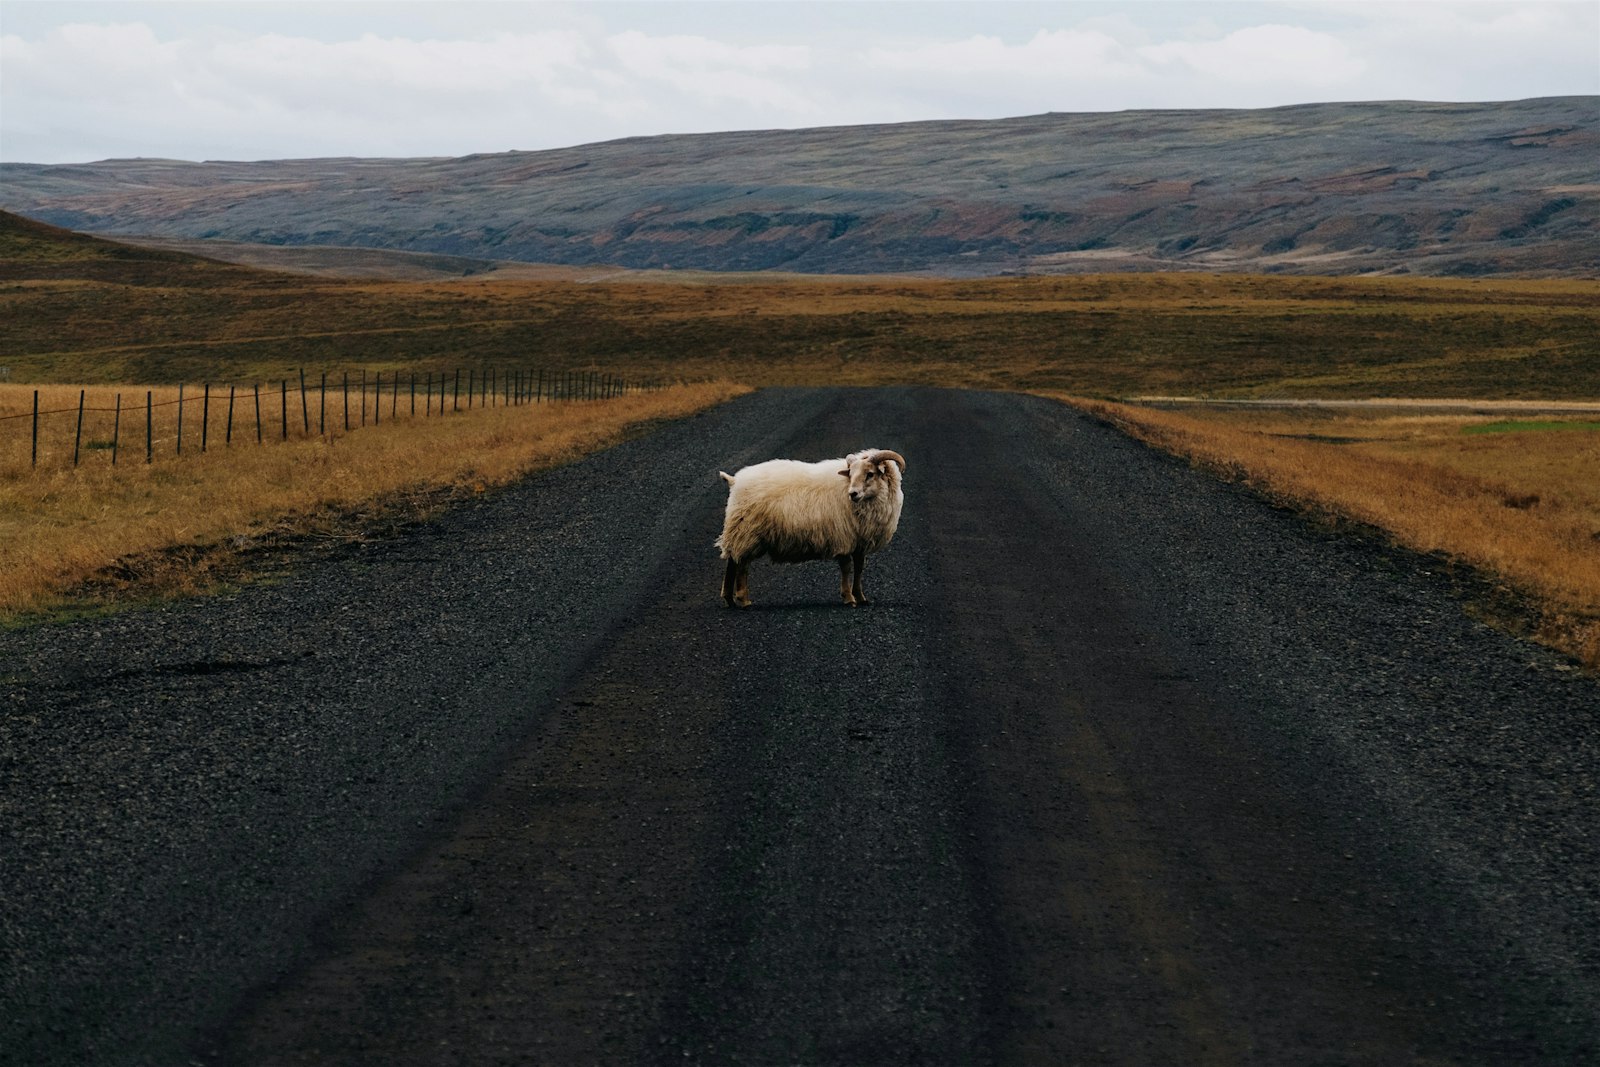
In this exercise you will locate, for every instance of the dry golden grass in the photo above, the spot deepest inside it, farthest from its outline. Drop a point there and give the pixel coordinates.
(78, 310)
(61, 527)
(1522, 506)
(1099, 335)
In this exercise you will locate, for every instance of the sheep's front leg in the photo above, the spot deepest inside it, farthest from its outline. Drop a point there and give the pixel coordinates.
(844, 580)
(860, 562)
(741, 590)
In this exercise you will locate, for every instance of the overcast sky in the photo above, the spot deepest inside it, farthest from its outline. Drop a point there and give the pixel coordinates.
(226, 80)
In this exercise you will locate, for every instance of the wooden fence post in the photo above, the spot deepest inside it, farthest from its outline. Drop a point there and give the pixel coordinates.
(78, 439)
(149, 417)
(180, 419)
(363, 396)
(377, 401)
(116, 431)
(36, 427)
(205, 417)
(305, 410)
(455, 404)
(227, 438)
(413, 394)
(538, 390)
(472, 387)
(346, 401)
(322, 405)
(283, 406)
(257, 387)
(427, 405)
(394, 395)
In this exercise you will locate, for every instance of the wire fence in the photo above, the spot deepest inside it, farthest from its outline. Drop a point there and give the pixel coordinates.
(126, 427)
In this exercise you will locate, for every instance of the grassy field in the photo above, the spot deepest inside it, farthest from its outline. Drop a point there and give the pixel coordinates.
(87, 311)
(78, 310)
(181, 523)
(1518, 499)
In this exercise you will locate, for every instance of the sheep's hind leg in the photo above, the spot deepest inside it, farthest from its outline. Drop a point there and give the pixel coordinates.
(844, 580)
(860, 562)
(728, 576)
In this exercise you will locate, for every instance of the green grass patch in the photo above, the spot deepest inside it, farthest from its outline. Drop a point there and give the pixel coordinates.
(1528, 426)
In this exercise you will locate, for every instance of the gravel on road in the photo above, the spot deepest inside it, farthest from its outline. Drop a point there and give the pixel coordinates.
(1121, 765)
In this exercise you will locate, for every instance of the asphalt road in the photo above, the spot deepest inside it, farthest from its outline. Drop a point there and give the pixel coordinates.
(1120, 766)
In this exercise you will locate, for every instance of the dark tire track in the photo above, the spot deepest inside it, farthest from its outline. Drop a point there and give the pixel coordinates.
(1120, 766)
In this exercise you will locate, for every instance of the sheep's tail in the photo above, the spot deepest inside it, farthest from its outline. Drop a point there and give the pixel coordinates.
(726, 477)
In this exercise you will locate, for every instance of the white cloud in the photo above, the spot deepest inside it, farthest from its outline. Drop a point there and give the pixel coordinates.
(1271, 54)
(1049, 55)
(710, 70)
(425, 78)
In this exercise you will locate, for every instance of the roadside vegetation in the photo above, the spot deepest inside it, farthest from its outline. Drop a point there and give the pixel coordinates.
(1517, 499)
(183, 523)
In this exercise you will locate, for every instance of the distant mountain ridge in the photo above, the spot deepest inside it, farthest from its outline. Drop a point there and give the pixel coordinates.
(1439, 189)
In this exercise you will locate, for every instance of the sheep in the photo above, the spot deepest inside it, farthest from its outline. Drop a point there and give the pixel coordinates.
(792, 511)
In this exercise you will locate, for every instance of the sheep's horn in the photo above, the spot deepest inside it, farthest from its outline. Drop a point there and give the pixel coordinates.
(883, 454)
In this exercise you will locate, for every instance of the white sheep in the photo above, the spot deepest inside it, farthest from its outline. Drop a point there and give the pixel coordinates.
(792, 512)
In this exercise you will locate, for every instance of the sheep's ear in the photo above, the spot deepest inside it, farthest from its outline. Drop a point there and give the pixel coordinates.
(845, 472)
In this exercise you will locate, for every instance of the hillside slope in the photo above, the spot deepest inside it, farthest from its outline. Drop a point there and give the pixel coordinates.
(1327, 188)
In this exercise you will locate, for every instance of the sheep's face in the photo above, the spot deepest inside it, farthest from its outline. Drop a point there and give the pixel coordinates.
(868, 477)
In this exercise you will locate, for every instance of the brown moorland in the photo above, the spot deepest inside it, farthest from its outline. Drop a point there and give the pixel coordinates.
(88, 311)
(96, 312)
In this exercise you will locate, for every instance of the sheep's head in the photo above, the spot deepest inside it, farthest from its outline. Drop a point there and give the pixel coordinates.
(872, 472)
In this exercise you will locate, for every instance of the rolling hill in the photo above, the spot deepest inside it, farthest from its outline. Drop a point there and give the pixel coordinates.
(1438, 189)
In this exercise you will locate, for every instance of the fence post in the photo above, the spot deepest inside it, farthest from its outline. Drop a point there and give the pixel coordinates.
(149, 417)
(322, 405)
(455, 404)
(472, 387)
(394, 396)
(538, 390)
(78, 438)
(257, 387)
(305, 410)
(427, 405)
(116, 431)
(413, 394)
(346, 401)
(363, 396)
(283, 406)
(377, 401)
(180, 418)
(36, 427)
(227, 437)
(205, 417)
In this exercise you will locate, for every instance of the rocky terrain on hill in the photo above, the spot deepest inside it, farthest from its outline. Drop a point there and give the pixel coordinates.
(1427, 188)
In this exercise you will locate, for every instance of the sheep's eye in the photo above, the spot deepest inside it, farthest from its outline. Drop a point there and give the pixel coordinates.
(869, 475)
